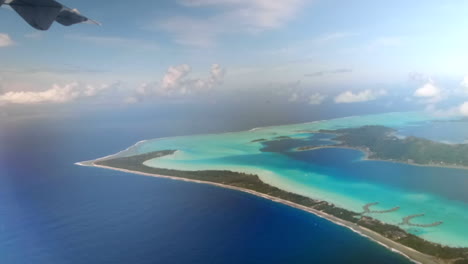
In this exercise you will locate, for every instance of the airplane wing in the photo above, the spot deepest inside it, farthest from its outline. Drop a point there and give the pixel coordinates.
(40, 14)
(68, 17)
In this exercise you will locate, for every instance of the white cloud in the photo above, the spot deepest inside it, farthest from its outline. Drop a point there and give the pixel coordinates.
(234, 16)
(464, 109)
(5, 40)
(464, 84)
(93, 90)
(57, 94)
(449, 112)
(176, 83)
(173, 80)
(363, 96)
(427, 90)
(316, 99)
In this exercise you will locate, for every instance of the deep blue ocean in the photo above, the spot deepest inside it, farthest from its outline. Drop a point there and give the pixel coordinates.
(52, 211)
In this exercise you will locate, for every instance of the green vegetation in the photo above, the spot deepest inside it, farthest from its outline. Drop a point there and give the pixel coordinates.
(258, 140)
(241, 180)
(381, 143)
(253, 182)
(434, 249)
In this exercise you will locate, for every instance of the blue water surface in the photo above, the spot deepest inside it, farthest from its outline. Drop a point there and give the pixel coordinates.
(348, 164)
(52, 211)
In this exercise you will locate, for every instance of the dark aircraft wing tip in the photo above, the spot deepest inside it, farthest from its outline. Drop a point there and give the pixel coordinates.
(40, 14)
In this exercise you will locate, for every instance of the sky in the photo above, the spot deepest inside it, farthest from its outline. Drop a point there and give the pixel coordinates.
(310, 52)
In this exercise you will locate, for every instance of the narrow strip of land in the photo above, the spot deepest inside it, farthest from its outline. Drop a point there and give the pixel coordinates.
(410, 253)
(407, 221)
(367, 209)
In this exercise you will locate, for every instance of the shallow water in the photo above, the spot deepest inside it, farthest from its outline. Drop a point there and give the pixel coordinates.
(339, 176)
(53, 212)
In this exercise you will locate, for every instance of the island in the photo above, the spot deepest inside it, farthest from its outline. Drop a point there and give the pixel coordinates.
(258, 140)
(286, 164)
(391, 236)
(382, 143)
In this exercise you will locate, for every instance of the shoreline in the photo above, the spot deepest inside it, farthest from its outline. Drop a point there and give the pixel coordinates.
(367, 157)
(250, 130)
(377, 237)
(409, 253)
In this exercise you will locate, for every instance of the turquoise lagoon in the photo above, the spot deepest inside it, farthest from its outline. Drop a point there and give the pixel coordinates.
(339, 176)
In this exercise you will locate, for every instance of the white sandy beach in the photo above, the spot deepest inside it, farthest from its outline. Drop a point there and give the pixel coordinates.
(411, 254)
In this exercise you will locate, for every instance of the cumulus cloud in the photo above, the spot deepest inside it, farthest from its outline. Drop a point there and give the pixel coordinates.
(363, 96)
(447, 112)
(456, 111)
(464, 109)
(5, 40)
(56, 94)
(233, 16)
(464, 84)
(93, 90)
(429, 93)
(428, 90)
(176, 82)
